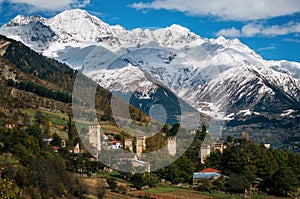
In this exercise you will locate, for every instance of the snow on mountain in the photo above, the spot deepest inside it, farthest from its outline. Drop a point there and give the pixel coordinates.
(234, 44)
(30, 30)
(290, 68)
(22, 20)
(78, 26)
(216, 76)
(138, 80)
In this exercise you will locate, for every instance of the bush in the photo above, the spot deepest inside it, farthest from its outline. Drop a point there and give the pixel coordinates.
(111, 183)
(101, 190)
(237, 184)
(146, 179)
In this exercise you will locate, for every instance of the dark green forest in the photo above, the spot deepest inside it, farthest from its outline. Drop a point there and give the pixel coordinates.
(244, 162)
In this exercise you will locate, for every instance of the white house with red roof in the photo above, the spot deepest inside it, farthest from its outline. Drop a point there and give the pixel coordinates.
(208, 173)
(114, 144)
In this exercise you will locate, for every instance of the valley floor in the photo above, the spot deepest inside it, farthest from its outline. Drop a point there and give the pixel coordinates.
(160, 192)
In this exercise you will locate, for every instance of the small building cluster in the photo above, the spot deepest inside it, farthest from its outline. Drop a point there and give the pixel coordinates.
(99, 142)
(206, 149)
(141, 145)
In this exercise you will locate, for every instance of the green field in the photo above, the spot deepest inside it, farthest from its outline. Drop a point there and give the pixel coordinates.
(162, 189)
(57, 119)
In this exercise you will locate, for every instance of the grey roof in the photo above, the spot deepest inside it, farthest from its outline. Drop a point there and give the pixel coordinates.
(141, 162)
(206, 175)
(125, 155)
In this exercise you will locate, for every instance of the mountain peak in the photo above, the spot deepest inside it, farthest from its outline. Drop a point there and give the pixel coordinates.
(235, 44)
(74, 13)
(79, 26)
(19, 19)
(23, 20)
(221, 39)
(179, 28)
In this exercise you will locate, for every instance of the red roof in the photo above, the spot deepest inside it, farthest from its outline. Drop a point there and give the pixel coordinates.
(115, 141)
(56, 148)
(210, 170)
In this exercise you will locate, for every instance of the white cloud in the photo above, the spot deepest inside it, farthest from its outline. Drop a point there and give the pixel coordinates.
(52, 5)
(251, 30)
(229, 32)
(266, 48)
(257, 29)
(292, 40)
(240, 10)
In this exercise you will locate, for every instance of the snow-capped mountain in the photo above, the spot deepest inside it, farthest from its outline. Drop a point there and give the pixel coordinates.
(220, 77)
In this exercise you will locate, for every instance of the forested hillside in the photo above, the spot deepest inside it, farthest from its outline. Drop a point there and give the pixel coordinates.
(35, 104)
(25, 70)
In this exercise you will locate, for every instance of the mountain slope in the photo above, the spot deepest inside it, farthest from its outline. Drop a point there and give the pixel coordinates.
(222, 78)
(30, 80)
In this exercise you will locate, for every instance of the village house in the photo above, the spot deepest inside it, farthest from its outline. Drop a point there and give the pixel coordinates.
(142, 164)
(267, 146)
(114, 144)
(76, 149)
(47, 140)
(208, 173)
(10, 125)
(55, 148)
(123, 159)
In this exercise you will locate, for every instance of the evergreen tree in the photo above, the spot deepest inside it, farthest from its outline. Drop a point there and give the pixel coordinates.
(56, 140)
(39, 117)
(229, 139)
(26, 119)
(72, 132)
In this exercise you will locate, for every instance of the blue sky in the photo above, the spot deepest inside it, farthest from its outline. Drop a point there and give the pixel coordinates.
(270, 27)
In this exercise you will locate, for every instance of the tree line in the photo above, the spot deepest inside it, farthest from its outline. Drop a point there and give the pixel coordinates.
(245, 162)
(41, 90)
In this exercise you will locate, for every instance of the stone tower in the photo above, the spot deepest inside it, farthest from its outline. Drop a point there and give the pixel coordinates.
(172, 145)
(128, 144)
(219, 145)
(140, 144)
(94, 138)
(204, 152)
